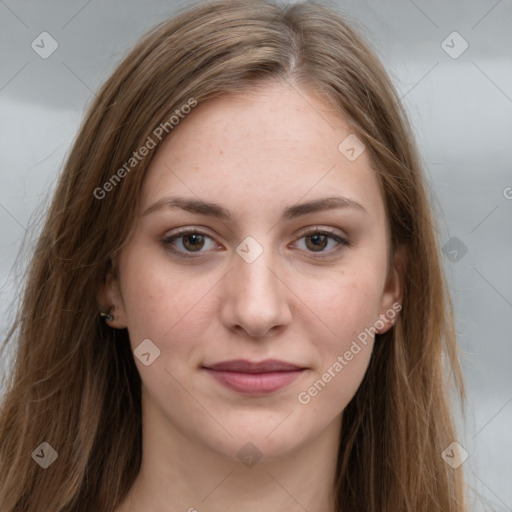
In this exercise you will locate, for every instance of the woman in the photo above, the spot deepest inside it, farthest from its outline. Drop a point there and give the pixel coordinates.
(237, 299)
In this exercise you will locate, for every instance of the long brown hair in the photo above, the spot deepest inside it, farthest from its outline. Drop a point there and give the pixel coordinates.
(74, 383)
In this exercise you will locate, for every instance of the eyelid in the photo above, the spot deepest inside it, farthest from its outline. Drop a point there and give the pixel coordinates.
(200, 230)
(311, 230)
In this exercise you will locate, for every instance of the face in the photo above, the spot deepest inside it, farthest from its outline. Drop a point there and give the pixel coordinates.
(238, 255)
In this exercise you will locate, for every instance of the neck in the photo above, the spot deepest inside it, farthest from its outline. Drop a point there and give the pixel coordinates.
(182, 473)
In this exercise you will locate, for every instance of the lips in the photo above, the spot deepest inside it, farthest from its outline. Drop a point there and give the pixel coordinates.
(254, 378)
(243, 366)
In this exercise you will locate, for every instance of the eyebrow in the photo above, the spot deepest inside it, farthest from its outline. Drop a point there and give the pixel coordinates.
(214, 210)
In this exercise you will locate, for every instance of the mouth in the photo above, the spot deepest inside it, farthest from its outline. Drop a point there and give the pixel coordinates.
(254, 378)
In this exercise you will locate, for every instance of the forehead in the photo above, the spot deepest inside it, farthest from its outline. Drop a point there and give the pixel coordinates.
(260, 148)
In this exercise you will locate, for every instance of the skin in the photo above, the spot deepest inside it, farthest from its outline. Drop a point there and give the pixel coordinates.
(254, 155)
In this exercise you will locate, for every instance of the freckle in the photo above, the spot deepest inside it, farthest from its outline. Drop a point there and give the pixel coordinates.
(221, 152)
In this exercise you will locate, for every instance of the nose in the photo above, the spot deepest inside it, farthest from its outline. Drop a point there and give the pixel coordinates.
(255, 297)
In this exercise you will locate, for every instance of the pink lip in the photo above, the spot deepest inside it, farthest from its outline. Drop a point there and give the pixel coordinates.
(255, 378)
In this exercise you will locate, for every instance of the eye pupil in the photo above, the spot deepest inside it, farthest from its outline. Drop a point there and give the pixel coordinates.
(319, 241)
(196, 239)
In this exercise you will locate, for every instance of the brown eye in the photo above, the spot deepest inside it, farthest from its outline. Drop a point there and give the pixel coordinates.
(323, 242)
(316, 242)
(188, 243)
(193, 242)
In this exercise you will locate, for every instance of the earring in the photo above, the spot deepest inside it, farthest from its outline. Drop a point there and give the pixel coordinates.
(107, 316)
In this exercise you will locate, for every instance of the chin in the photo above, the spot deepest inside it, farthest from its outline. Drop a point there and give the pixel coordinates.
(263, 439)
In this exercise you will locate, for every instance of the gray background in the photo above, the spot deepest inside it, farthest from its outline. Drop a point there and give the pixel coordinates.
(460, 108)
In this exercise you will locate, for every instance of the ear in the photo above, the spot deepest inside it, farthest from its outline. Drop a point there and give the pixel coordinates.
(392, 296)
(110, 301)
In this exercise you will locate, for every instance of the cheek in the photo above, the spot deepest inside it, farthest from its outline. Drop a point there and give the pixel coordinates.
(162, 305)
(343, 360)
(348, 305)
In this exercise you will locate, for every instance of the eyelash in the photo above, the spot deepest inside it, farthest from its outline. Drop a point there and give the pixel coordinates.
(167, 241)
